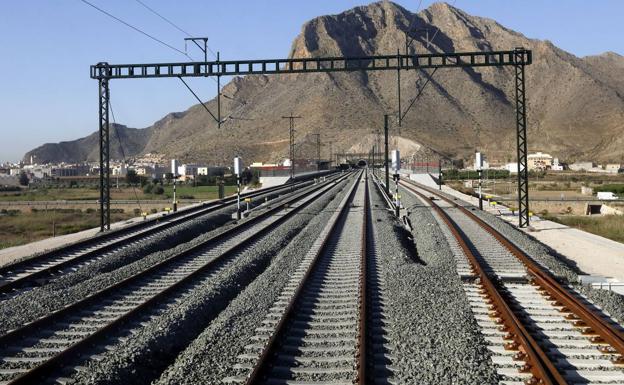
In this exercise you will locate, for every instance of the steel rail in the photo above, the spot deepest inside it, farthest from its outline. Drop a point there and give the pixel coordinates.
(178, 218)
(543, 278)
(537, 361)
(37, 373)
(363, 303)
(258, 372)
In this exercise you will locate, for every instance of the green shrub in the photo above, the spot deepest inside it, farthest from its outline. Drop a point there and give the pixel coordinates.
(153, 211)
(158, 190)
(137, 211)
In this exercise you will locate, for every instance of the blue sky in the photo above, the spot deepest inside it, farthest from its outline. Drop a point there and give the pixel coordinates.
(46, 94)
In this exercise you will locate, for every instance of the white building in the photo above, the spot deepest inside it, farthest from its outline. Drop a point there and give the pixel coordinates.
(539, 161)
(512, 167)
(556, 166)
(120, 170)
(613, 168)
(581, 166)
(480, 161)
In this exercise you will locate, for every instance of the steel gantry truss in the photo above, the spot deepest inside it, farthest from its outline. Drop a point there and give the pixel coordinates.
(105, 72)
(521, 136)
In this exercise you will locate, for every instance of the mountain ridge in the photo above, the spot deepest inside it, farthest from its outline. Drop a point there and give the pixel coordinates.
(575, 105)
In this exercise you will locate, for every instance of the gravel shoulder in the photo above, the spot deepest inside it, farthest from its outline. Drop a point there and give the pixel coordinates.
(174, 331)
(435, 336)
(210, 357)
(563, 268)
(114, 267)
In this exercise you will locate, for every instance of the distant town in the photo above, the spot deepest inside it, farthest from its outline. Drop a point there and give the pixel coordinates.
(148, 167)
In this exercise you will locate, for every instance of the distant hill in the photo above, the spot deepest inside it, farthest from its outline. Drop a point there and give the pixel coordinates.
(87, 148)
(575, 105)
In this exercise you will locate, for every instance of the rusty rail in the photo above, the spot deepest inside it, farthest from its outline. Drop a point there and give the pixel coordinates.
(587, 318)
(536, 360)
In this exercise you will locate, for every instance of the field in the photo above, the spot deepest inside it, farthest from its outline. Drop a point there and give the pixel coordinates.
(608, 226)
(557, 196)
(24, 223)
(125, 193)
(20, 228)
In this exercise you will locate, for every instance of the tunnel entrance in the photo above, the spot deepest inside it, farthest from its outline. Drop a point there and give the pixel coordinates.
(362, 163)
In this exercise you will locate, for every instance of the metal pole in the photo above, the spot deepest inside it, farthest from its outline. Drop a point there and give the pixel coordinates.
(218, 90)
(521, 139)
(374, 159)
(386, 154)
(238, 194)
(399, 86)
(397, 204)
(440, 174)
(175, 202)
(480, 195)
(104, 93)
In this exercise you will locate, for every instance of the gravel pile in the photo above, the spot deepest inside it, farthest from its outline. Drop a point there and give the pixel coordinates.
(72, 286)
(435, 336)
(141, 358)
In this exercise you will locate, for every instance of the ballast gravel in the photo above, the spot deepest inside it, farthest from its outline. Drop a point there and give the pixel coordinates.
(69, 287)
(435, 336)
(563, 268)
(210, 358)
(140, 359)
(612, 303)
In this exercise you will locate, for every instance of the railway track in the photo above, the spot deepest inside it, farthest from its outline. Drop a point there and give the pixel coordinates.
(539, 331)
(34, 271)
(52, 347)
(316, 332)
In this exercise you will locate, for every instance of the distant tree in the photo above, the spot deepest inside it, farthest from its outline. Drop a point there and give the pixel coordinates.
(148, 188)
(158, 190)
(23, 179)
(132, 177)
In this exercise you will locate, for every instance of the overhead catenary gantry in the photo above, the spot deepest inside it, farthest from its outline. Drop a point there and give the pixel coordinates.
(517, 58)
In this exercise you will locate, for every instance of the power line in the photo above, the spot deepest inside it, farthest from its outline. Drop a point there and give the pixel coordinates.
(162, 17)
(429, 78)
(123, 153)
(169, 22)
(135, 28)
(198, 99)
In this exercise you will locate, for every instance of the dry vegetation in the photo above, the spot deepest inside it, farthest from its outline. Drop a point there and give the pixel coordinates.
(23, 224)
(17, 228)
(608, 226)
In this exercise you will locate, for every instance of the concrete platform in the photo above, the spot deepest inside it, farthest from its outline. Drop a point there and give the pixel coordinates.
(593, 254)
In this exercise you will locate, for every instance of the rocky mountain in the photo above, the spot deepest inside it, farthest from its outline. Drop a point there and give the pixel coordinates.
(575, 105)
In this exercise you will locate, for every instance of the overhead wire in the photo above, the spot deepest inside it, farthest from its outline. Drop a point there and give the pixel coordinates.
(198, 99)
(123, 153)
(429, 78)
(171, 23)
(134, 28)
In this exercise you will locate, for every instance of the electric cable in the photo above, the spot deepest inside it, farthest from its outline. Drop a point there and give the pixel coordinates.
(123, 153)
(171, 23)
(135, 28)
